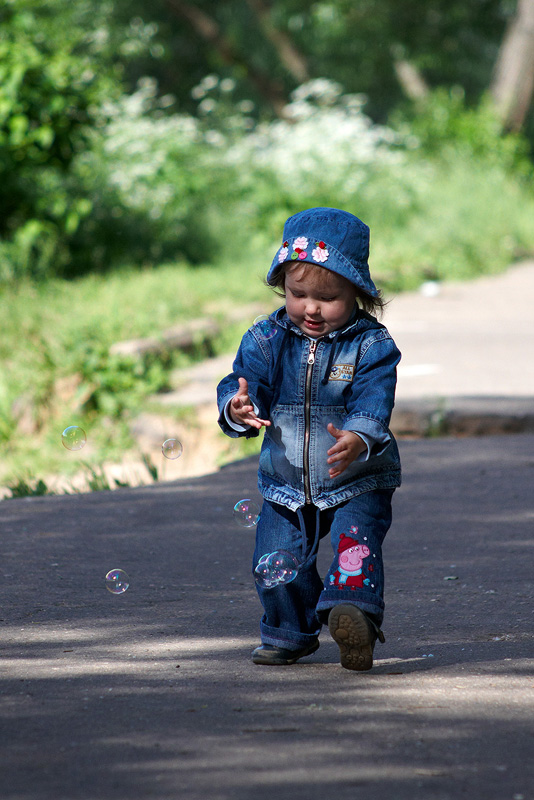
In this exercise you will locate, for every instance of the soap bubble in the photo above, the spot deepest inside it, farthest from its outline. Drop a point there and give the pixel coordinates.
(263, 573)
(284, 566)
(246, 513)
(276, 568)
(117, 581)
(172, 448)
(73, 438)
(266, 326)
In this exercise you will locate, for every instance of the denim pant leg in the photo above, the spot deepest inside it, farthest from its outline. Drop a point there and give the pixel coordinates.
(357, 576)
(289, 620)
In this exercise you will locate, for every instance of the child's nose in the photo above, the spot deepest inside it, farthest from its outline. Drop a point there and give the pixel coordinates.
(313, 308)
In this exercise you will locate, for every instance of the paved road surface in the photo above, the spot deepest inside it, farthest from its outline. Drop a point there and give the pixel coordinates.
(152, 694)
(467, 364)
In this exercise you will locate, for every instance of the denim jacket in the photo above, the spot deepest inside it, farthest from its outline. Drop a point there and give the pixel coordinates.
(300, 384)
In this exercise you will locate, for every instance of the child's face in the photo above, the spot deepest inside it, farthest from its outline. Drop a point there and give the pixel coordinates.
(318, 301)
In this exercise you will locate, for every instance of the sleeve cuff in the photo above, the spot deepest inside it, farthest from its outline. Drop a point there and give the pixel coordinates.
(373, 433)
(235, 425)
(369, 441)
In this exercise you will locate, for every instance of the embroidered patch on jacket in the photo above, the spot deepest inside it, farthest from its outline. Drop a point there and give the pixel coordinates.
(342, 372)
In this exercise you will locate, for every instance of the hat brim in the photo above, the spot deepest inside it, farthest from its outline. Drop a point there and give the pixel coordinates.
(327, 257)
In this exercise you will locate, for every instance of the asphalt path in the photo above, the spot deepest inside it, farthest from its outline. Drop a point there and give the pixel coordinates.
(152, 693)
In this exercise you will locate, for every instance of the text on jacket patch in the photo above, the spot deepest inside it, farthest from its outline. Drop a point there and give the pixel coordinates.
(342, 372)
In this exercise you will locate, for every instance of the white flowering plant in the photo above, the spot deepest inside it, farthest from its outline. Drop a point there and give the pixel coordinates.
(155, 185)
(406, 184)
(325, 152)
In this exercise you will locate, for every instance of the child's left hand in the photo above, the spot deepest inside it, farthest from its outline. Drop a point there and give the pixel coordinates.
(347, 448)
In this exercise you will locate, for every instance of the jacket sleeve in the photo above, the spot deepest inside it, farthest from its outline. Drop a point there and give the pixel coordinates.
(372, 395)
(252, 363)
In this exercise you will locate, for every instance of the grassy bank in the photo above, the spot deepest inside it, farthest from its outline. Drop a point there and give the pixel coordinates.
(451, 218)
(56, 369)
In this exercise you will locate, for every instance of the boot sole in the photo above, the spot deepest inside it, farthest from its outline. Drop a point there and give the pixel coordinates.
(273, 660)
(351, 632)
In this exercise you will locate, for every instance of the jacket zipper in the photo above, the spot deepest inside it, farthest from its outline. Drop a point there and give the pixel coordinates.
(307, 404)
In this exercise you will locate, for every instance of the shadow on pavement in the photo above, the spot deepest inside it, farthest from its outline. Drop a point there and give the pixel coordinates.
(151, 694)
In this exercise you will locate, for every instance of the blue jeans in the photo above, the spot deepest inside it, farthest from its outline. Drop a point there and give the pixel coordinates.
(295, 612)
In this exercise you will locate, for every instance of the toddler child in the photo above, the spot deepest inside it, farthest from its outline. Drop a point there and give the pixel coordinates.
(323, 388)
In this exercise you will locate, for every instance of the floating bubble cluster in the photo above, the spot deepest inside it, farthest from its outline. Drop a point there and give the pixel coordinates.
(263, 573)
(73, 438)
(246, 513)
(284, 566)
(276, 568)
(172, 448)
(266, 326)
(117, 581)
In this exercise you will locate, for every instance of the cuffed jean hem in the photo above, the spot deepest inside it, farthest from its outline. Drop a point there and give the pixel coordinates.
(289, 640)
(335, 597)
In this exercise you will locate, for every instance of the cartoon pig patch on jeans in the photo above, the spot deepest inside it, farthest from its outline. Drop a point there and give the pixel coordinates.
(350, 574)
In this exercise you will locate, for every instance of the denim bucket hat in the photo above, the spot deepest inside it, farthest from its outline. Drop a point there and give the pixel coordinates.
(330, 238)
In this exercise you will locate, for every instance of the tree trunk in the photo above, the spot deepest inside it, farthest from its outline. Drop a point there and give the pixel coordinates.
(513, 81)
(208, 28)
(411, 81)
(291, 58)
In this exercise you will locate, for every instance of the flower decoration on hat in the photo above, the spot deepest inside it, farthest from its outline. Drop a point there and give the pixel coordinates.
(299, 251)
(282, 253)
(320, 253)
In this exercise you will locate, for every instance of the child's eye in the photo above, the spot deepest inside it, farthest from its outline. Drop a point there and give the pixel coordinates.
(328, 299)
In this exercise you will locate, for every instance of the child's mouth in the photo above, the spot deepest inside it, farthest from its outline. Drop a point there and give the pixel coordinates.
(313, 323)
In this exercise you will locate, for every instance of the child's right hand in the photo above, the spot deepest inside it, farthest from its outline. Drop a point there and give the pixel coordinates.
(242, 410)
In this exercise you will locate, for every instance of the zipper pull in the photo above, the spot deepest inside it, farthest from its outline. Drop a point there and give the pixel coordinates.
(311, 356)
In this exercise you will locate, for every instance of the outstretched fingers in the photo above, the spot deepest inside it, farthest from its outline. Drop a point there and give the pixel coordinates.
(242, 408)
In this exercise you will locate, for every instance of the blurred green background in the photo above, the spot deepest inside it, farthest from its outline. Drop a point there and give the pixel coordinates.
(150, 153)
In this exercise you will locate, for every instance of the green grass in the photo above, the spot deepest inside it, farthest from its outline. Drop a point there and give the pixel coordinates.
(54, 365)
(462, 219)
(468, 218)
